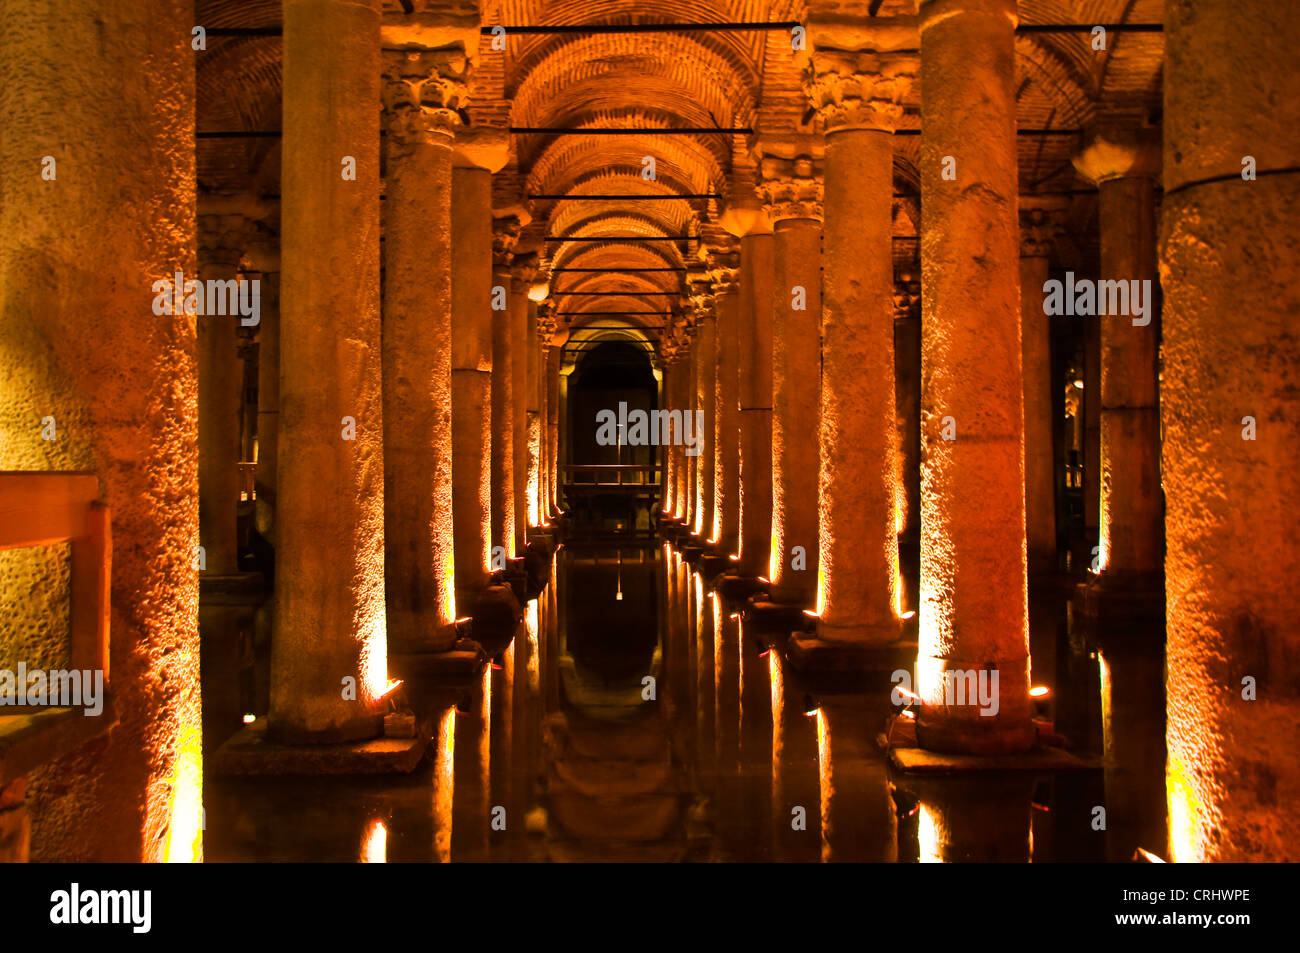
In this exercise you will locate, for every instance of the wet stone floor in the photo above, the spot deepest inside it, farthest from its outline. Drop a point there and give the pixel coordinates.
(636, 719)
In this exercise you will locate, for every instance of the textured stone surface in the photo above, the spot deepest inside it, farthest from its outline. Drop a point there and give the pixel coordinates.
(1229, 252)
(79, 341)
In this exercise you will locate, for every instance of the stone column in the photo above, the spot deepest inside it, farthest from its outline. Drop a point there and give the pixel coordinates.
(1125, 167)
(860, 97)
(792, 193)
(97, 174)
(755, 370)
(221, 245)
(330, 553)
(422, 91)
(973, 569)
(726, 414)
(687, 475)
(505, 235)
(671, 356)
(553, 428)
(705, 368)
(1040, 222)
(264, 255)
(536, 327)
(471, 357)
(1229, 255)
(522, 273)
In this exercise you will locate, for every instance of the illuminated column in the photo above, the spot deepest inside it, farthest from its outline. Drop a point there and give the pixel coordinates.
(523, 271)
(98, 178)
(264, 255)
(1040, 222)
(221, 245)
(754, 340)
(907, 405)
(793, 196)
(471, 357)
(671, 357)
(422, 90)
(860, 97)
(686, 476)
(330, 548)
(973, 572)
(726, 402)
(1229, 256)
(705, 376)
(553, 427)
(533, 392)
(505, 235)
(1131, 542)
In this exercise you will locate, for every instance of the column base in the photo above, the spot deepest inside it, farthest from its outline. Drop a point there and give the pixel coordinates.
(777, 617)
(495, 617)
(972, 714)
(251, 751)
(736, 587)
(712, 565)
(811, 653)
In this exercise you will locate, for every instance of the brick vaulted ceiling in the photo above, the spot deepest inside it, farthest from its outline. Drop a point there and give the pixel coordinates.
(654, 81)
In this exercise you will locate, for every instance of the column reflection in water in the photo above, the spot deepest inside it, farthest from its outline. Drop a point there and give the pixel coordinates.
(471, 809)
(858, 819)
(755, 740)
(796, 790)
(980, 818)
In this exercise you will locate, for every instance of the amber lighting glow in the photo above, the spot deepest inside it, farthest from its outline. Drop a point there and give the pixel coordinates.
(374, 845)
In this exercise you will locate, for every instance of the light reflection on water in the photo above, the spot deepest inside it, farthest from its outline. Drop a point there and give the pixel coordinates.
(657, 727)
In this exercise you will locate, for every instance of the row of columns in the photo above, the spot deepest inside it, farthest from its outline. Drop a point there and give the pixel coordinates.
(453, 405)
(837, 503)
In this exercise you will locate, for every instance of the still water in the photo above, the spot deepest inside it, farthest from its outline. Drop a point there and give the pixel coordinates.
(638, 717)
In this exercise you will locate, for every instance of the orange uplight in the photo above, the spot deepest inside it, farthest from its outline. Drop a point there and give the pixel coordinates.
(1039, 691)
(184, 843)
(374, 845)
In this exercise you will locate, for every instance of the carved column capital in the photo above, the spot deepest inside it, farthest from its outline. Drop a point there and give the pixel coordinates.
(1042, 221)
(505, 236)
(424, 92)
(860, 90)
(223, 239)
(1117, 152)
(790, 188)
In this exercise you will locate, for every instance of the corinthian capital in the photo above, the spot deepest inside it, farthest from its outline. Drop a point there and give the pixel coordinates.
(423, 92)
(790, 188)
(1042, 221)
(860, 90)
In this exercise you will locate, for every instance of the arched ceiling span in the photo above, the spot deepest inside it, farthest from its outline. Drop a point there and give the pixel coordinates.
(653, 81)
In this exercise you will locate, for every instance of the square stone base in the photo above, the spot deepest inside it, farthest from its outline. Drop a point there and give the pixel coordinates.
(250, 751)
(1039, 759)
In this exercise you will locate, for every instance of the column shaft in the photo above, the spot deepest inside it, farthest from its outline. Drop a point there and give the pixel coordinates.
(796, 396)
(1040, 472)
(471, 376)
(705, 401)
(858, 584)
(417, 343)
(755, 371)
(973, 569)
(519, 306)
(1132, 506)
(268, 404)
(503, 428)
(330, 546)
(726, 472)
(1229, 254)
